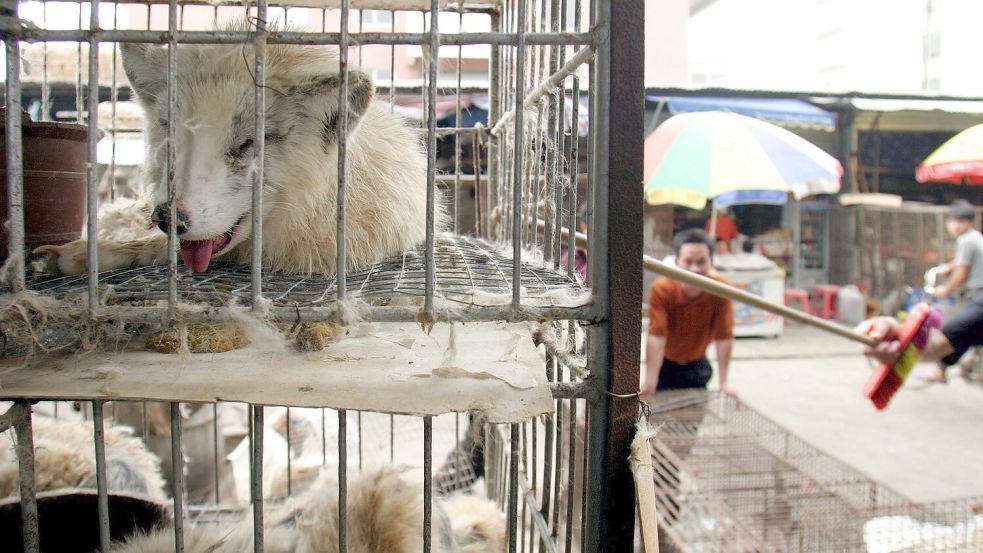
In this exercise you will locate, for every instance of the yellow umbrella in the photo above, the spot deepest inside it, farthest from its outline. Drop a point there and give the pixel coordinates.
(959, 160)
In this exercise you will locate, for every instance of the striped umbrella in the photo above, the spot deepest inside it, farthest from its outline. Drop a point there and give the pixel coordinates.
(959, 160)
(733, 159)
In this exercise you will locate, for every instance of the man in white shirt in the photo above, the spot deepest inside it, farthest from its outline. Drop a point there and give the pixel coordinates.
(965, 272)
(966, 269)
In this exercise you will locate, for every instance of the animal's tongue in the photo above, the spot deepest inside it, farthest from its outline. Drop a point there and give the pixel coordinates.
(196, 254)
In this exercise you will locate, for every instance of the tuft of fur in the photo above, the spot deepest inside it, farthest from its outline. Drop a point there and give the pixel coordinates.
(477, 524)
(214, 125)
(64, 458)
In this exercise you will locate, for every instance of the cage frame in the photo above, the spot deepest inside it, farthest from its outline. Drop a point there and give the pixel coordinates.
(615, 211)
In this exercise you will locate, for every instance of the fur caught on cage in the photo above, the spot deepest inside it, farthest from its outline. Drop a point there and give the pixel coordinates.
(386, 192)
(384, 515)
(63, 456)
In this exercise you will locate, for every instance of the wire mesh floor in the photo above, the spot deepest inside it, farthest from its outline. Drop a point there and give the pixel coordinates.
(729, 479)
(468, 270)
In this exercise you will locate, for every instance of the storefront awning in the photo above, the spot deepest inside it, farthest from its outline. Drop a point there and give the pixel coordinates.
(785, 112)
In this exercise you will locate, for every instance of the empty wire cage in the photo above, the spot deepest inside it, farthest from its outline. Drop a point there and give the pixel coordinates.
(475, 364)
(727, 478)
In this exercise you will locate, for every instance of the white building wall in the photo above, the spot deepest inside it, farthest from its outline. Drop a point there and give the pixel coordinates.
(875, 46)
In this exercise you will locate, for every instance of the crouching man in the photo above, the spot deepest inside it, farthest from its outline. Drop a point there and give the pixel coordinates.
(683, 320)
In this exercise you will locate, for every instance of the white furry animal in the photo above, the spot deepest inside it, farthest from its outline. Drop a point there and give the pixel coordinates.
(64, 458)
(384, 515)
(477, 525)
(214, 149)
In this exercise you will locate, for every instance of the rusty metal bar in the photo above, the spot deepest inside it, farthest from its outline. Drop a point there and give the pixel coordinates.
(25, 465)
(432, 47)
(102, 500)
(172, 239)
(342, 134)
(300, 38)
(256, 478)
(177, 477)
(92, 185)
(259, 145)
(616, 238)
(15, 168)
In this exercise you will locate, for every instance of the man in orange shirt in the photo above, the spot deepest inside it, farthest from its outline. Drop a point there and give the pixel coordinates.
(683, 320)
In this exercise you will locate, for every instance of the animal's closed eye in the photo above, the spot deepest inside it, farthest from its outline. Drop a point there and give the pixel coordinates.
(241, 150)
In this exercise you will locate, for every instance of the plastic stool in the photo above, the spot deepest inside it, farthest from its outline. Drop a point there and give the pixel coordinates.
(825, 296)
(799, 295)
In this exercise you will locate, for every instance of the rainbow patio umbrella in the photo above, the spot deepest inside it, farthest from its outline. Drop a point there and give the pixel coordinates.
(732, 159)
(959, 160)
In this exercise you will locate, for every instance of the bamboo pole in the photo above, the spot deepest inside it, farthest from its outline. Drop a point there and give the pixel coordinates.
(641, 468)
(726, 291)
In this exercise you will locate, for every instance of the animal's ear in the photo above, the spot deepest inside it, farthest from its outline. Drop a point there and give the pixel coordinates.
(324, 91)
(146, 67)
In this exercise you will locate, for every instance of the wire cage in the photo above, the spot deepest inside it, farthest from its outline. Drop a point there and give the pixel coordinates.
(462, 393)
(729, 479)
(889, 248)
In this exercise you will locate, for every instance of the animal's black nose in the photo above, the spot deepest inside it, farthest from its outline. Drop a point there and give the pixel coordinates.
(162, 218)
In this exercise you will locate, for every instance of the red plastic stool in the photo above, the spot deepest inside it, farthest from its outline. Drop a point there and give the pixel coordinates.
(799, 295)
(825, 296)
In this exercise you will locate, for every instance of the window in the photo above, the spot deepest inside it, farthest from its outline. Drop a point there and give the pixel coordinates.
(376, 17)
(933, 45)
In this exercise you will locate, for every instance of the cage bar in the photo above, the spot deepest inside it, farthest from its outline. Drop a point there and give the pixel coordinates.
(535, 479)
(15, 167)
(99, 436)
(25, 465)
(614, 232)
(92, 189)
(177, 477)
(256, 477)
(259, 145)
(340, 266)
(172, 239)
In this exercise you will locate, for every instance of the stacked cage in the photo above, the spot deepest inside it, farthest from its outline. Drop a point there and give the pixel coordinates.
(729, 479)
(888, 248)
(458, 394)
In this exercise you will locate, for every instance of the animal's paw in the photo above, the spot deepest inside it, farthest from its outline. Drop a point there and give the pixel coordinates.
(315, 336)
(69, 259)
(73, 258)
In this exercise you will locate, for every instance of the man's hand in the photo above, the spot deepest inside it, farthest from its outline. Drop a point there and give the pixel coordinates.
(728, 389)
(885, 330)
(648, 387)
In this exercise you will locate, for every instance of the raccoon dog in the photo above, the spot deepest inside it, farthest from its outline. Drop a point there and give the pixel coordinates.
(215, 146)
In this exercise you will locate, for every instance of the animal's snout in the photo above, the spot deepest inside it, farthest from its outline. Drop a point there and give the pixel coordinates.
(162, 218)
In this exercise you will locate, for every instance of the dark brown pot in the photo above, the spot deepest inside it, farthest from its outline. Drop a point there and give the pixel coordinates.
(55, 156)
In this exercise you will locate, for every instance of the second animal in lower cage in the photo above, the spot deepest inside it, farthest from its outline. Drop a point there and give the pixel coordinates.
(384, 514)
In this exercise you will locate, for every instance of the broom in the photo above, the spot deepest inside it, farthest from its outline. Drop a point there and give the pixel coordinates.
(882, 384)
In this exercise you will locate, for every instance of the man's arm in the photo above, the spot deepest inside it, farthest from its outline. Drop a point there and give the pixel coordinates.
(945, 268)
(655, 350)
(886, 329)
(957, 276)
(724, 348)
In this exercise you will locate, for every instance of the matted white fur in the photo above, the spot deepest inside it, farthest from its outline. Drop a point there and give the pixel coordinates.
(64, 458)
(214, 125)
(384, 515)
